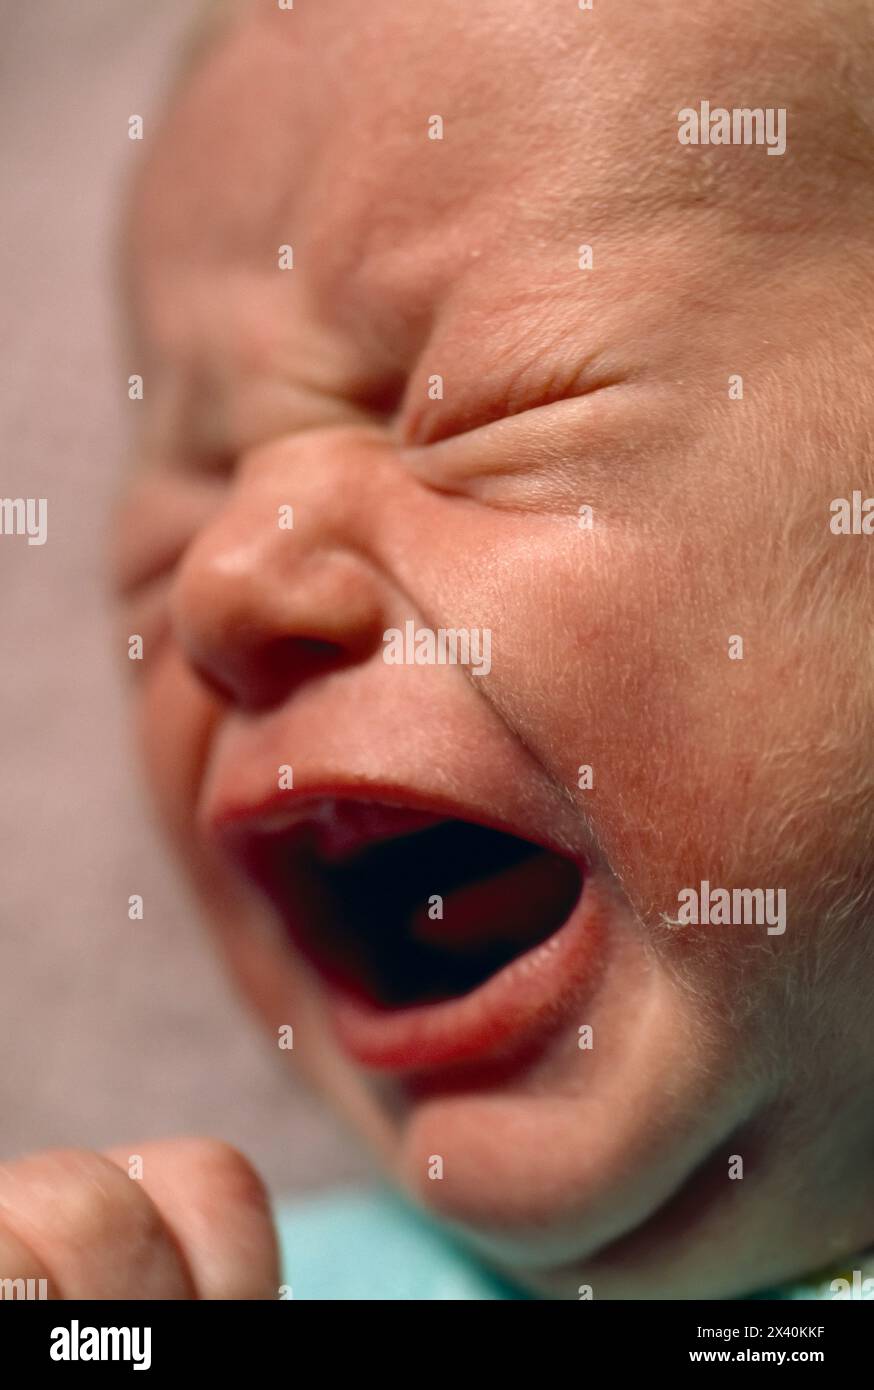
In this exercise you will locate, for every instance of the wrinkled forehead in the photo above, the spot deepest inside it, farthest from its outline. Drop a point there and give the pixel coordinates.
(412, 151)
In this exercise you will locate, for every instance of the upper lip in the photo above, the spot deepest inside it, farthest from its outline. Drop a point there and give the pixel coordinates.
(230, 823)
(340, 825)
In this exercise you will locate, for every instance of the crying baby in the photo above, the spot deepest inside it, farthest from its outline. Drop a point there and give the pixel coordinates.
(466, 903)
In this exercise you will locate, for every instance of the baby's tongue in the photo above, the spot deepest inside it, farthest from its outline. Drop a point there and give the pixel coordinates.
(519, 905)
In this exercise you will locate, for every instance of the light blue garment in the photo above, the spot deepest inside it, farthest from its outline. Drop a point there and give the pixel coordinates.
(373, 1245)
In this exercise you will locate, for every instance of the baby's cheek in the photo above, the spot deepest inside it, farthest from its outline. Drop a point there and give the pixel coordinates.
(655, 683)
(174, 718)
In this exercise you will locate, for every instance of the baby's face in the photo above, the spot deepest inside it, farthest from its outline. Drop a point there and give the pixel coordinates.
(463, 883)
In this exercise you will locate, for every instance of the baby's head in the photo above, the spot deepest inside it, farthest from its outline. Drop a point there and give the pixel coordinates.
(507, 674)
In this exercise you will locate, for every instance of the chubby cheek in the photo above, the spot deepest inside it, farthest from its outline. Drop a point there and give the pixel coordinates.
(704, 723)
(647, 673)
(174, 718)
(176, 721)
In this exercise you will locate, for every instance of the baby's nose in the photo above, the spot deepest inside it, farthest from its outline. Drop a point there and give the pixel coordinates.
(278, 589)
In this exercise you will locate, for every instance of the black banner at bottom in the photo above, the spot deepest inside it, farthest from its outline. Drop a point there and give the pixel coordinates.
(158, 1339)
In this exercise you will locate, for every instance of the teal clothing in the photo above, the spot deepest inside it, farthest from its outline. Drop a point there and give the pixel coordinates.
(373, 1245)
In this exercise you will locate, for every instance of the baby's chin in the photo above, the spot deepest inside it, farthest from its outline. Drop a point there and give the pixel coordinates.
(572, 1158)
(546, 1175)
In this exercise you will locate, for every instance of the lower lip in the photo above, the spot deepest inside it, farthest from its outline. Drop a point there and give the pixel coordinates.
(529, 999)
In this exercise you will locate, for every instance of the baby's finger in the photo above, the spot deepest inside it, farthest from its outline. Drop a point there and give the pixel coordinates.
(22, 1274)
(217, 1208)
(75, 1219)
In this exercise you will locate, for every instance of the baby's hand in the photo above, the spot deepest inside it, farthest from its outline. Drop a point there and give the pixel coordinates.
(196, 1224)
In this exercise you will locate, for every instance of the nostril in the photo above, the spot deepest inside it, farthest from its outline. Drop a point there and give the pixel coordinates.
(294, 660)
(270, 673)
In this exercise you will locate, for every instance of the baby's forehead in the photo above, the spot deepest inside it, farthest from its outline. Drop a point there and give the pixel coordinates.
(413, 153)
(538, 93)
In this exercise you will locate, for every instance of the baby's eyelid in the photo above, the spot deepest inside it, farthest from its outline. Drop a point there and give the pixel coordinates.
(508, 423)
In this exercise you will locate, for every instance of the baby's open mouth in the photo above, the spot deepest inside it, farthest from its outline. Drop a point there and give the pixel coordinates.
(432, 913)
(407, 915)
(428, 914)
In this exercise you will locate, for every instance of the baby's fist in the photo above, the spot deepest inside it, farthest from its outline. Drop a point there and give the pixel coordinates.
(196, 1224)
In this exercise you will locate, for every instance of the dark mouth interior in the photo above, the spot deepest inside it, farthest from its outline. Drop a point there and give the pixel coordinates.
(371, 923)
